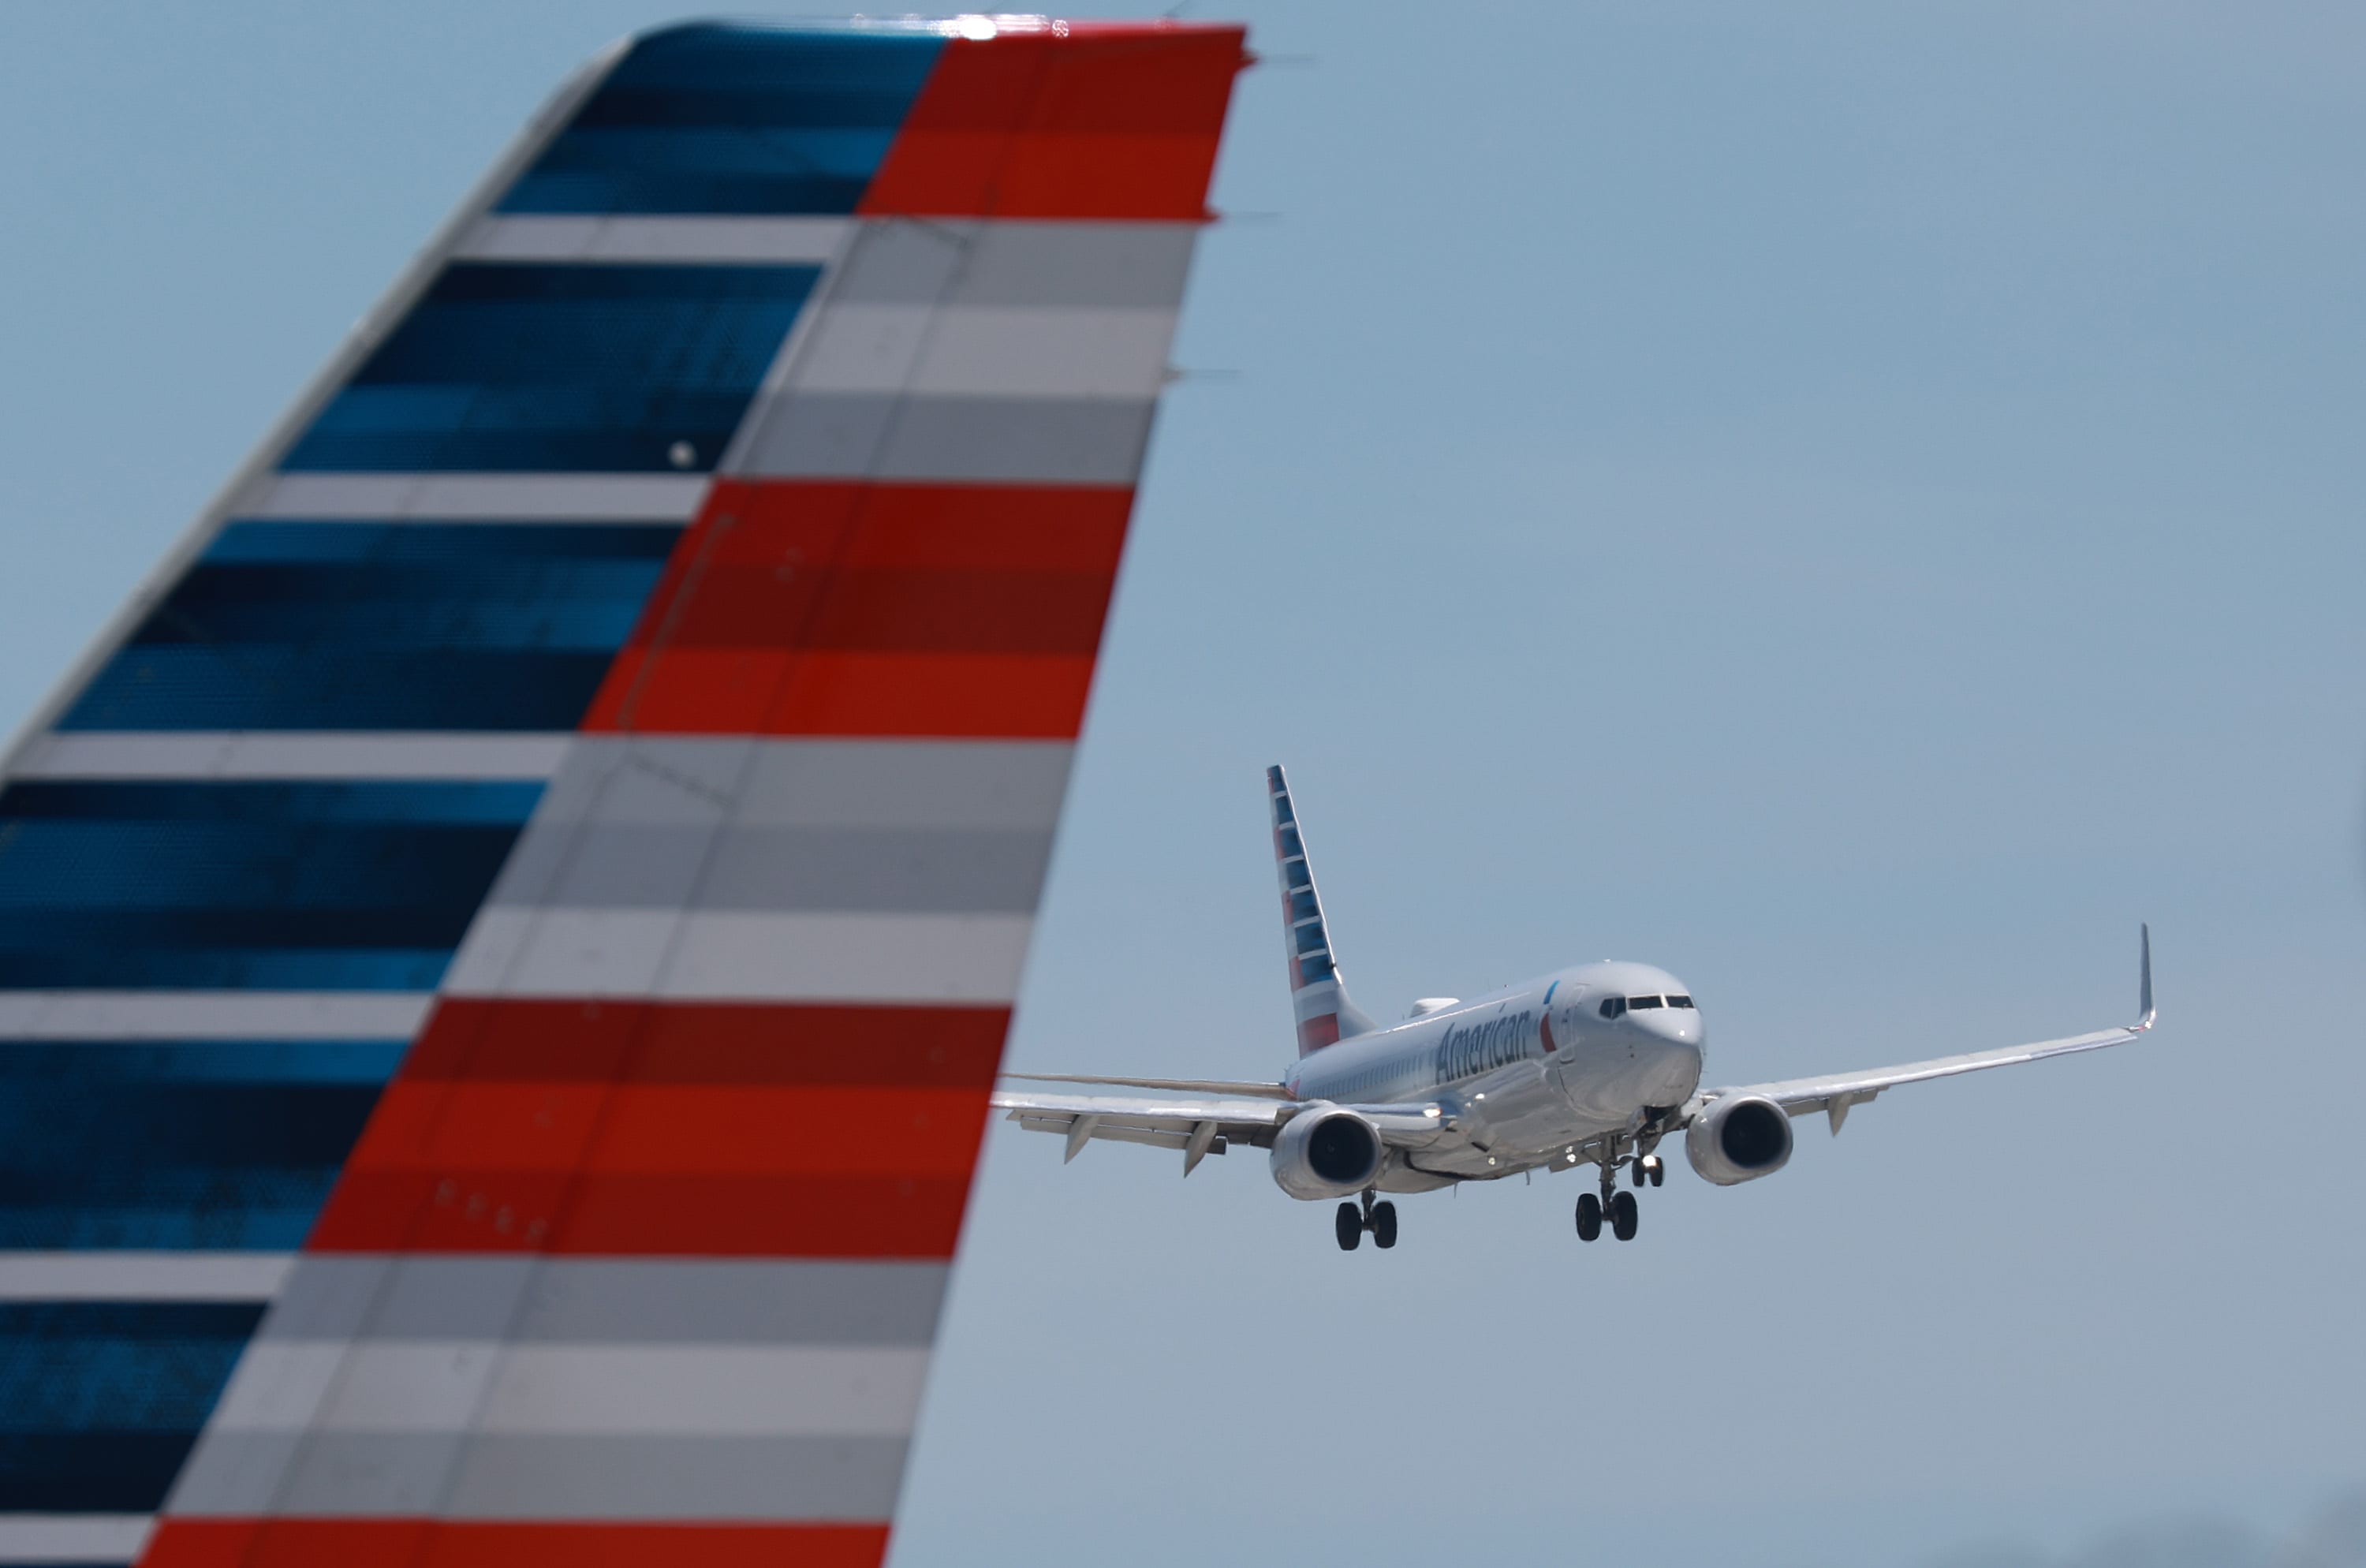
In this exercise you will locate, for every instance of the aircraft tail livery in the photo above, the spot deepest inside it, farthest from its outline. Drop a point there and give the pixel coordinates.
(1318, 992)
(506, 942)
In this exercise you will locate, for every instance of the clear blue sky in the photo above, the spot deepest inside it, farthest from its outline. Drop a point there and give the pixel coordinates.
(1858, 505)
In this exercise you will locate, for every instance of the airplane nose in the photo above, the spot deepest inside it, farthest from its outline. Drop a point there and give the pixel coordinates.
(1678, 1026)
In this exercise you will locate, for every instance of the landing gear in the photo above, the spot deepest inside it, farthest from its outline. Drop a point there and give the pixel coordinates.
(1612, 1204)
(1352, 1222)
(1589, 1218)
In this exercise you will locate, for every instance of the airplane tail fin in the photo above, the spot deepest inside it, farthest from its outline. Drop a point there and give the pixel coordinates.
(1318, 994)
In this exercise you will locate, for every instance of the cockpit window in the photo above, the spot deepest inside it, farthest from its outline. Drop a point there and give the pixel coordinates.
(1612, 1006)
(1639, 1003)
(1680, 1001)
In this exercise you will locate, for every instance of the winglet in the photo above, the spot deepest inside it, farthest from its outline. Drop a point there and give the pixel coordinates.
(2144, 983)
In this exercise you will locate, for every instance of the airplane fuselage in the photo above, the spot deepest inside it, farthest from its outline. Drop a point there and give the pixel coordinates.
(1526, 1072)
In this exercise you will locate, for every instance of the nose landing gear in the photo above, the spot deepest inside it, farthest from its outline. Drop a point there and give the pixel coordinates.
(1351, 1222)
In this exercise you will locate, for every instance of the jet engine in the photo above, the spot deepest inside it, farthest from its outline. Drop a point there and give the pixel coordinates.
(1328, 1153)
(1738, 1139)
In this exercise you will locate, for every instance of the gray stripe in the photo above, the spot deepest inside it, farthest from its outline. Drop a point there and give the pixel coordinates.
(73, 1538)
(839, 955)
(212, 1015)
(538, 237)
(982, 786)
(1085, 441)
(352, 1474)
(982, 351)
(1080, 265)
(598, 866)
(680, 1478)
(568, 1300)
(320, 754)
(142, 1276)
(463, 498)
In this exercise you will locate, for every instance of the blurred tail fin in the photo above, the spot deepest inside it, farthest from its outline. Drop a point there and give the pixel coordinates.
(1318, 994)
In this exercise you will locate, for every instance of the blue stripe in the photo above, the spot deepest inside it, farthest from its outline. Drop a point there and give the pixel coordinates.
(475, 546)
(100, 1402)
(733, 120)
(513, 367)
(383, 626)
(203, 1061)
(277, 802)
(183, 1143)
(277, 688)
(281, 886)
(90, 1473)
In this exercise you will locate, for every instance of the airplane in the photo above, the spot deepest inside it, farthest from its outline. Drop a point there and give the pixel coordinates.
(1597, 1064)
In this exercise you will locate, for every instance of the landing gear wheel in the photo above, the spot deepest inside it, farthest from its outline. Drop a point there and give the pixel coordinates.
(1659, 1170)
(1641, 1172)
(1384, 1225)
(1622, 1216)
(1349, 1226)
(1589, 1217)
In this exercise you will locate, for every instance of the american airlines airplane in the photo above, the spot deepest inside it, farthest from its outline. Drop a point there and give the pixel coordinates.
(1595, 1064)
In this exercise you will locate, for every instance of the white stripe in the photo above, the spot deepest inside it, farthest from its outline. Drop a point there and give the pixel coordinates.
(212, 1015)
(474, 498)
(73, 1538)
(142, 1276)
(984, 352)
(496, 237)
(315, 754)
(506, 1389)
(740, 955)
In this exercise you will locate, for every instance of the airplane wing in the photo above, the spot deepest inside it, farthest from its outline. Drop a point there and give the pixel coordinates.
(1247, 1091)
(1197, 1126)
(1836, 1093)
(506, 940)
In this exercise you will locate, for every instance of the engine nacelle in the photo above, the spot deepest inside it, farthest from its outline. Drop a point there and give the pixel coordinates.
(1738, 1139)
(1328, 1153)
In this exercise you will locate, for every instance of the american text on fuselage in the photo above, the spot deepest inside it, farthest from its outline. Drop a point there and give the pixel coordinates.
(1592, 1057)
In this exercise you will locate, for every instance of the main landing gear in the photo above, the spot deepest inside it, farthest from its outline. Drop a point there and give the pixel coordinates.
(1351, 1223)
(1616, 1207)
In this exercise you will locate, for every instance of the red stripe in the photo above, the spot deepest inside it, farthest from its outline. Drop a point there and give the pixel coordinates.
(675, 1129)
(746, 691)
(795, 608)
(811, 523)
(657, 1216)
(495, 1040)
(1095, 123)
(1317, 1033)
(420, 1543)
